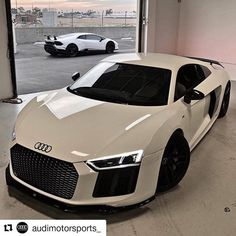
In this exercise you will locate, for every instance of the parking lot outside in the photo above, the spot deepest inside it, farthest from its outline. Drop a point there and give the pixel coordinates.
(32, 35)
(37, 71)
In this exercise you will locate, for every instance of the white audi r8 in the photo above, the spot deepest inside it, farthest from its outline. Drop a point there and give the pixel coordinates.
(72, 44)
(121, 133)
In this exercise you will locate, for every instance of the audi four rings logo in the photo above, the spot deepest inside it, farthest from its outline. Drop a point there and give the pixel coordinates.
(43, 147)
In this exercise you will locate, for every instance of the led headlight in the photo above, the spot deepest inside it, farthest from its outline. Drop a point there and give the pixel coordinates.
(116, 161)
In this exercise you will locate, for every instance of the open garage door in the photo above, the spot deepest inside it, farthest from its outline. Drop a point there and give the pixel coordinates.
(57, 38)
(7, 69)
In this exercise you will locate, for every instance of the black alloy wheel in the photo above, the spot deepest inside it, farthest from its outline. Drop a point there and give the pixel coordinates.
(225, 101)
(175, 162)
(110, 48)
(72, 50)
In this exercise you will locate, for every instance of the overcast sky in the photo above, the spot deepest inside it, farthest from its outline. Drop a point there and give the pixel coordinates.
(117, 5)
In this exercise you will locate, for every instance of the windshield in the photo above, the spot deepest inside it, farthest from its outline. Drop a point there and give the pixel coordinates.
(125, 83)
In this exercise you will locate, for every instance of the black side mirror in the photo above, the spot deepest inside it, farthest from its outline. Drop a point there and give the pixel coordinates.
(193, 95)
(101, 39)
(75, 76)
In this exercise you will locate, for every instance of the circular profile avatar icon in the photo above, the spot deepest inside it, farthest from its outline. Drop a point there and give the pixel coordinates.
(22, 227)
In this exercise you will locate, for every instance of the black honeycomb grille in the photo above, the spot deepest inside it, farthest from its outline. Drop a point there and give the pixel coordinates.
(51, 175)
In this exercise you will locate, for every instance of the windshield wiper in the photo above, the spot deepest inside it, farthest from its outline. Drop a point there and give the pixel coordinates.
(101, 94)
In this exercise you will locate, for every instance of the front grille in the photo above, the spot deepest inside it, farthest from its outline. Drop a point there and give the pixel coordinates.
(51, 175)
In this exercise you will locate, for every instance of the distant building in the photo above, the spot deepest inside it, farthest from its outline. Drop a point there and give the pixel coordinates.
(49, 18)
(25, 18)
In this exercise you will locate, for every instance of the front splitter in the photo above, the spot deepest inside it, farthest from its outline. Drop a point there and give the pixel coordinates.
(67, 207)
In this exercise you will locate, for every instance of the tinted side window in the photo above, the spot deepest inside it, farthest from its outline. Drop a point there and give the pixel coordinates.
(93, 37)
(206, 71)
(203, 72)
(82, 37)
(200, 73)
(188, 77)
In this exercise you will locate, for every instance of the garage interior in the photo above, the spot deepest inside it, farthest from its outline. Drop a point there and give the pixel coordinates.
(204, 203)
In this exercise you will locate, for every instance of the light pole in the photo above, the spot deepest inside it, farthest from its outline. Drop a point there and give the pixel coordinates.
(125, 17)
(102, 17)
(72, 17)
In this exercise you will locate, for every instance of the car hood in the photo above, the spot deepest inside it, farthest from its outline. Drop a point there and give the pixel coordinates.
(79, 128)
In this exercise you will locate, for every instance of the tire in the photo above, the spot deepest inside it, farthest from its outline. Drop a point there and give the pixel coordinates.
(110, 47)
(174, 164)
(54, 54)
(72, 50)
(225, 101)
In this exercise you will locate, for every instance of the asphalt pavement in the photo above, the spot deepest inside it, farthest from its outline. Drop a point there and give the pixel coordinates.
(37, 71)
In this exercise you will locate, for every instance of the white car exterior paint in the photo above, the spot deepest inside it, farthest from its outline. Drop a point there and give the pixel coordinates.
(80, 129)
(82, 44)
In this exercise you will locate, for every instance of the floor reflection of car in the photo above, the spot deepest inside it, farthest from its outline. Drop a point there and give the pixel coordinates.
(71, 44)
(121, 133)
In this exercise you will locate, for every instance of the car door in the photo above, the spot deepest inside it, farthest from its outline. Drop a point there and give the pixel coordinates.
(94, 42)
(189, 78)
(82, 42)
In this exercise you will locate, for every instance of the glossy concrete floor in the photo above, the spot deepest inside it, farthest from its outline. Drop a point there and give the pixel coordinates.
(203, 204)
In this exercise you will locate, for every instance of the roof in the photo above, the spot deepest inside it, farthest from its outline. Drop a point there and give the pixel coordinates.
(73, 34)
(160, 60)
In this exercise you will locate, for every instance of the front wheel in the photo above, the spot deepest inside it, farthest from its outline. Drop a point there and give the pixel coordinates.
(174, 164)
(110, 48)
(225, 101)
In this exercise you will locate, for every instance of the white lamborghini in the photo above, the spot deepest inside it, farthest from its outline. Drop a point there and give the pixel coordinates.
(72, 44)
(121, 133)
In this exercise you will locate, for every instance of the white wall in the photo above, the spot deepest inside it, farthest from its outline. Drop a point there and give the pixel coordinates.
(163, 23)
(5, 74)
(200, 28)
(207, 28)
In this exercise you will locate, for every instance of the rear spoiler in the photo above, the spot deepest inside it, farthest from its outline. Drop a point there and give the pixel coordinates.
(207, 60)
(49, 37)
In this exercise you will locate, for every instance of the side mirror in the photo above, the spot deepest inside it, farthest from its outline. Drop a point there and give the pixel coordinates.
(75, 76)
(193, 95)
(101, 39)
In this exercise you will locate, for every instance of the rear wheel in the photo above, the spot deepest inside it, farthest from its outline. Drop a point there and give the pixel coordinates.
(72, 50)
(110, 47)
(175, 162)
(225, 101)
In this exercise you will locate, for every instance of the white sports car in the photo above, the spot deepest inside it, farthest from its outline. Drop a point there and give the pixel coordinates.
(71, 44)
(121, 133)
